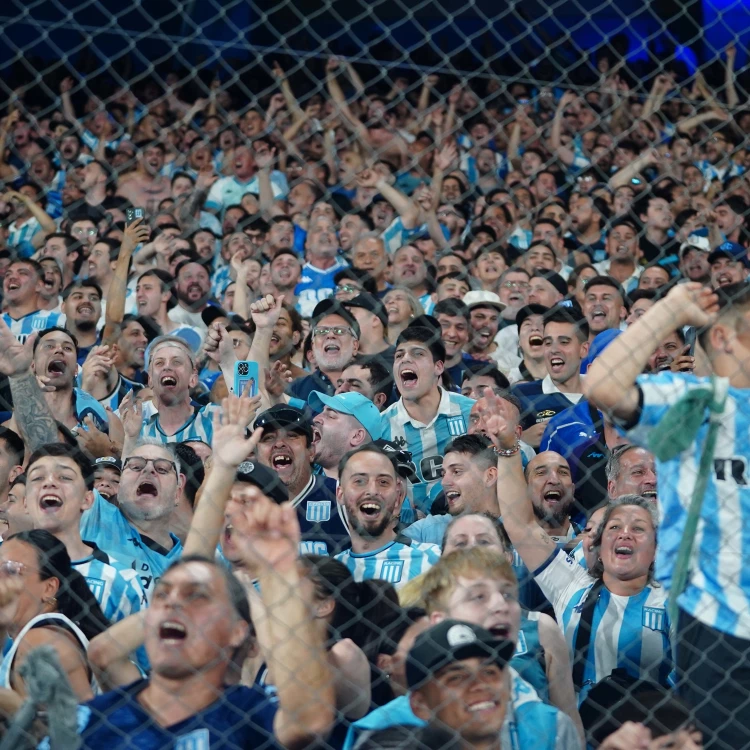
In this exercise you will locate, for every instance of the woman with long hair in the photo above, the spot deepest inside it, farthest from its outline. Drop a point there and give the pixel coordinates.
(44, 601)
(402, 307)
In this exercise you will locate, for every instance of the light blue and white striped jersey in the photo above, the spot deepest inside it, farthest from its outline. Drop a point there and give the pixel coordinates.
(629, 632)
(314, 285)
(220, 279)
(427, 442)
(106, 526)
(20, 236)
(714, 172)
(396, 562)
(92, 141)
(35, 321)
(718, 589)
(116, 587)
(228, 191)
(199, 426)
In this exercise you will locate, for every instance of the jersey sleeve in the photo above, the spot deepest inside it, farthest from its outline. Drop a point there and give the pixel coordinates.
(215, 200)
(100, 519)
(560, 577)
(658, 394)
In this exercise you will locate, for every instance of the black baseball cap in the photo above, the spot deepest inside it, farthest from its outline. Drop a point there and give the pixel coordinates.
(371, 304)
(450, 641)
(266, 480)
(108, 462)
(527, 311)
(285, 417)
(212, 312)
(555, 279)
(332, 306)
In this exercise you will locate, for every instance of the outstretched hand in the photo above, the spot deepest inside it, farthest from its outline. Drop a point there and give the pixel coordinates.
(231, 444)
(15, 357)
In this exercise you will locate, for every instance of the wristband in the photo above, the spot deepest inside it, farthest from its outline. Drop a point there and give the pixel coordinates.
(506, 453)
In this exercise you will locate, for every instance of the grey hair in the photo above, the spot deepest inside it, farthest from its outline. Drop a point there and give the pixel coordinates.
(414, 303)
(614, 462)
(168, 447)
(639, 502)
(167, 340)
(370, 236)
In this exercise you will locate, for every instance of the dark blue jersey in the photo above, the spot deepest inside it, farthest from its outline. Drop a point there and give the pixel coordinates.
(239, 719)
(540, 401)
(321, 518)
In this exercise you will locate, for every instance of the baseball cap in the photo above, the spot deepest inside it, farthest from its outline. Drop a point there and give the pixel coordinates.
(730, 250)
(285, 417)
(598, 345)
(697, 240)
(527, 311)
(483, 299)
(266, 480)
(108, 462)
(450, 641)
(555, 279)
(212, 312)
(371, 304)
(358, 406)
(332, 306)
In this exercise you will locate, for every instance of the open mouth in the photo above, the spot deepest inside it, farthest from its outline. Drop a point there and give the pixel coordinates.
(369, 508)
(281, 461)
(623, 552)
(147, 489)
(56, 367)
(452, 496)
(172, 632)
(535, 340)
(556, 364)
(168, 381)
(317, 435)
(85, 310)
(12, 286)
(331, 348)
(723, 279)
(409, 378)
(649, 495)
(598, 315)
(501, 631)
(195, 289)
(482, 706)
(50, 502)
(552, 497)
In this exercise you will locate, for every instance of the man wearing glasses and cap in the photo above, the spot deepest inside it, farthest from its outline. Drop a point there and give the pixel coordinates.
(335, 340)
(286, 447)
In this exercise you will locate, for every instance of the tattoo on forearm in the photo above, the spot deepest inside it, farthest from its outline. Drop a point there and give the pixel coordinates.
(33, 416)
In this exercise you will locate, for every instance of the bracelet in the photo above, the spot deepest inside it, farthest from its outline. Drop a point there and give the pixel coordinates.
(509, 452)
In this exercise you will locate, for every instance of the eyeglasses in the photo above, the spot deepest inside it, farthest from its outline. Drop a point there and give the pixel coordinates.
(347, 288)
(81, 231)
(12, 568)
(516, 284)
(320, 331)
(162, 466)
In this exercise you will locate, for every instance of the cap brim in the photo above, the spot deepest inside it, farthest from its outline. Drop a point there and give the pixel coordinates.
(499, 306)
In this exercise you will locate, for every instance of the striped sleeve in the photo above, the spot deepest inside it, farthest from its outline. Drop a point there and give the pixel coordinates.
(560, 577)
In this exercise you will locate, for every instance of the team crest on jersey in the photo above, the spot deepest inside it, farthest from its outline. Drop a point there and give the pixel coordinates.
(521, 647)
(97, 588)
(39, 323)
(319, 511)
(456, 426)
(392, 570)
(198, 740)
(653, 618)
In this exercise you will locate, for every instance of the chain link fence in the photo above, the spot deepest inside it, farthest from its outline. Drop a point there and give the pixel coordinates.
(569, 164)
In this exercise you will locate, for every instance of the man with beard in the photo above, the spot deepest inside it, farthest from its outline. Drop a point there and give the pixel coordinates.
(335, 340)
(372, 495)
(565, 345)
(147, 187)
(624, 254)
(110, 373)
(286, 447)
(694, 265)
(587, 220)
(286, 339)
(729, 264)
(171, 375)
(82, 307)
(192, 287)
(286, 270)
(154, 299)
(22, 285)
(342, 423)
(321, 265)
(484, 316)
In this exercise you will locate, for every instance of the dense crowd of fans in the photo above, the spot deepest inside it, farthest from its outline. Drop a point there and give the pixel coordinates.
(502, 345)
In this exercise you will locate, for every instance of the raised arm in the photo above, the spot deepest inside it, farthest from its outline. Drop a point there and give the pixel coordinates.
(30, 410)
(690, 123)
(291, 100)
(530, 540)
(564, 153)
(230, 448)
(267, 537)
(623, 176)
(110, 652)
(731, 91)
(46, 222)
(610, 382)
(134, 234)
(405, 207)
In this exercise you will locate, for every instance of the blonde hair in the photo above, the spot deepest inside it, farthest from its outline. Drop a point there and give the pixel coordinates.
(442, 579)
(412, 595)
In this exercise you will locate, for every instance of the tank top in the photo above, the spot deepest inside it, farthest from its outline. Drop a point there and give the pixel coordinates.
(54, 619)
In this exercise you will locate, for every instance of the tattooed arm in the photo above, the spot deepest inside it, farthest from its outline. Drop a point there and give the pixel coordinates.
(31, 412)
